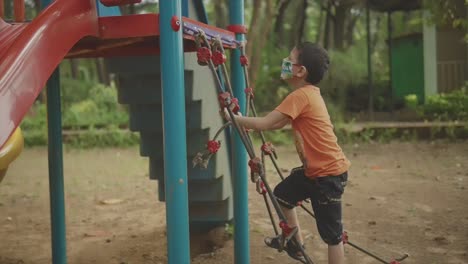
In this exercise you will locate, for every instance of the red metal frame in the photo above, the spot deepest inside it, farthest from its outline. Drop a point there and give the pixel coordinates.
(29, 53)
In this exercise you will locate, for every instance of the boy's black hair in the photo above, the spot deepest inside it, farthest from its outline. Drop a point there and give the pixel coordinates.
(315, 59)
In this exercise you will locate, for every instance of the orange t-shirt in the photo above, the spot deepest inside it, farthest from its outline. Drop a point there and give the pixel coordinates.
(308, 112)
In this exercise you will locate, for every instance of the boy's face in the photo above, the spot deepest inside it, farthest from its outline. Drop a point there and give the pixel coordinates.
(299, 72)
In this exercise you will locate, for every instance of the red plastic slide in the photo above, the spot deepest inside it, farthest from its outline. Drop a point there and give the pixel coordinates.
(29, 53)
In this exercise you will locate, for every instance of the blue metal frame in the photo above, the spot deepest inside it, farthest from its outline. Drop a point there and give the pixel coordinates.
(55, 158)
(56, 185)
(185, 8)
(241, 204)
(105, 11)
(175, 145)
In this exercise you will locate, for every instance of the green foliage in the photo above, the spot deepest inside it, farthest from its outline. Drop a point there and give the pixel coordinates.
(448, 13)
(90, 138)
(74, 91)
(451, 106)
(108, 138)
(98, 108)
(269, 88)
(411, 101)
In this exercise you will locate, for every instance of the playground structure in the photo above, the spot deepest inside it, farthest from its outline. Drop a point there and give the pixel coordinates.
(72, 29)
(205, 198)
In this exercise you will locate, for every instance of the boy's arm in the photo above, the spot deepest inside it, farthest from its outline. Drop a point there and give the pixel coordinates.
(274, 120)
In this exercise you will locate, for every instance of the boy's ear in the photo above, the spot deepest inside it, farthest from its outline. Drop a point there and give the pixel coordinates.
(302, 72)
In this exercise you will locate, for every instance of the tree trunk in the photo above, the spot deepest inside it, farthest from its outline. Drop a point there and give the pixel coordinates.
(375, 37)
(254, 28)
(103, 76)
(341, 12)
(302, 23)
(264, 33)
(350, 31)
(279, 23)
(318, 37)
(131, 9)
(220, 13)
(74, 70)
(328, 18)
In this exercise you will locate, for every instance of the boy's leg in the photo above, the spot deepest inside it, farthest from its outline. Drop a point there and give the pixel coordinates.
(336, 254)
(290, 191)
(326, 203)
(291, 216)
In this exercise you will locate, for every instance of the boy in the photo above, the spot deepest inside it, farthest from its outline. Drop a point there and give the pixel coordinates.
(323, 176)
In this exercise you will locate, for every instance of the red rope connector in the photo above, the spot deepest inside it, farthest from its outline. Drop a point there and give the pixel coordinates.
(213, 146)
(255, 165)
(395, 262)
(235, 105)
(299, 203)
(285, 228)
(218, 58)
(268, 148)
(203, 55)
(256, 169)
(345, 238)
(225, 100)
(249, 91)
(263, 188)
(244, 60)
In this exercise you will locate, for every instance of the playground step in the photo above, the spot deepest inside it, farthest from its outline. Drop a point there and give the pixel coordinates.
(156, 169)
(202, 190)
(134, 65)
(151, 143)
(145, 88)
(218, 211)
(139, 86)
(149, 117)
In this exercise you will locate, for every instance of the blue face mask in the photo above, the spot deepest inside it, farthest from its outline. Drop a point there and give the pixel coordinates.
(286, 69)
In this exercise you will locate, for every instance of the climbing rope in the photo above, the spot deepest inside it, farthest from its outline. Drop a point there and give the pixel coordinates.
(213, 55)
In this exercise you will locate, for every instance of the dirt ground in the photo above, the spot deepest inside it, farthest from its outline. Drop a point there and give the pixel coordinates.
(401, 197)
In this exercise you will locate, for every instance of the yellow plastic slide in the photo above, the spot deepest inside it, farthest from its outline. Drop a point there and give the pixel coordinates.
(10, 151)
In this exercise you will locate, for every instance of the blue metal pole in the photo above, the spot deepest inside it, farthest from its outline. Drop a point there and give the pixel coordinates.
(241, 211)
(55, 157)
(175, 145)
(57, 198)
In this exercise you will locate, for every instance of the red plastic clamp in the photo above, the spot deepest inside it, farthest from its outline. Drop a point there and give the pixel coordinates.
(203, 56)
(219, 58)
(244, 60)
(238, 29)
(249, 91)
(395, 262)
(235, 105)
(263, 188)
(224, 99)
(256, 165)
(345, 238)
(285, 228)
(175, 23)
(268, 148)
(213, 146)
(299, 203)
